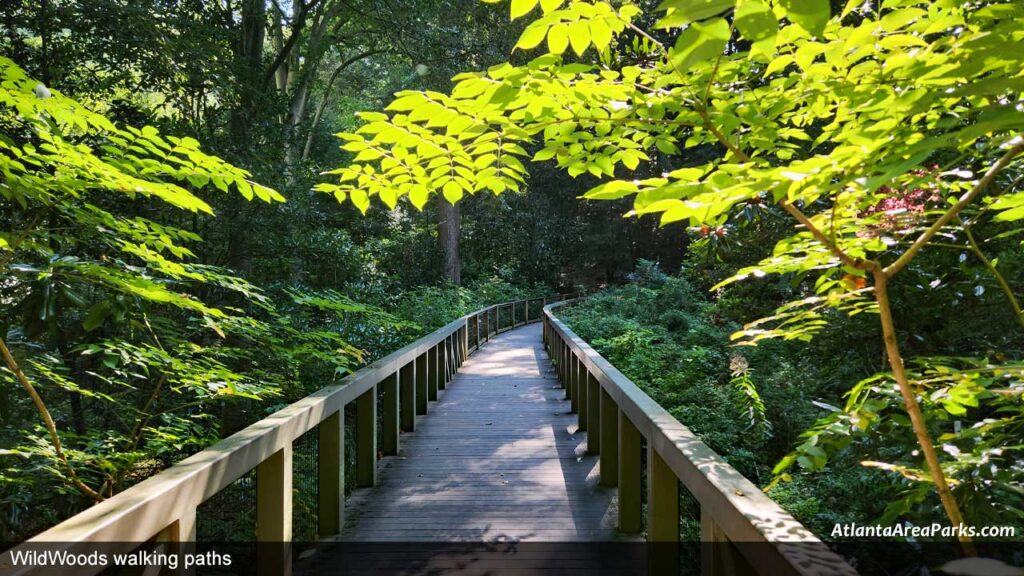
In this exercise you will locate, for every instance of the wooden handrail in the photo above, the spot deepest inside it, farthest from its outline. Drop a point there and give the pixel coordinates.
(616, 413)
(163, 507)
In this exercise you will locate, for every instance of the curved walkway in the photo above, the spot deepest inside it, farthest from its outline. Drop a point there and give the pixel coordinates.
(497, 458)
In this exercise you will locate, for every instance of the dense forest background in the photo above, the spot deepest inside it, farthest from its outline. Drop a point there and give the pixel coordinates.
(308, 289)
(263, 85)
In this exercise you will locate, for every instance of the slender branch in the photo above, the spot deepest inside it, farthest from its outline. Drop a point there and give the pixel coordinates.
(51, 426)
(1003, 284)
(17, 240)
(740, 154)
(325, 100)
(714, 69)
(298, 23)
(955, 210)
(144, 414)
(866, 265)
(913, 409)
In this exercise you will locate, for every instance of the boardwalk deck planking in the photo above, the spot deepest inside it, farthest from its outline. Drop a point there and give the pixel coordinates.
(497, 458)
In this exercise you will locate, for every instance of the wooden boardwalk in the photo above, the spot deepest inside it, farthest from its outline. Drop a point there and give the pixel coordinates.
(497, 458)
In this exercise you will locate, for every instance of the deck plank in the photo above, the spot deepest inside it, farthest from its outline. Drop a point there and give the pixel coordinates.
(497, 458)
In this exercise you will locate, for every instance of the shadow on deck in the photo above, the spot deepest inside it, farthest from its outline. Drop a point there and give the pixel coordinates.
(498, 460)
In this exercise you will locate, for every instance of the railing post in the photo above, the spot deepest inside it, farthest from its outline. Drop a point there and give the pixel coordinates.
(390, 415)
(449, 360)
(408, 392)
(562, 361)
(570, 381)
(476, 323)
(178, 538)
(456, 351)
(662, 514)
(662, 499)
(564, 368)
(366, 438)
(629, 475)
(423, 380)
(331, 474)
(527, 313)
(465, 345)
(453, 354)
(609, 440)
(593, 415)
(581, 394)
(274, 512)
(718, 556)
(436, 370)
(443, 363)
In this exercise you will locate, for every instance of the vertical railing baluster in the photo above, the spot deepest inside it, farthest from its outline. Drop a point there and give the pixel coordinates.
(662, 499)
(446, 364)
(331, 474)
(274, 513)
(563, 368)
(436, 370)
(423, 380)
(366, 438)
(179, 539)
(465, 345)
(719, 556)
(390, 416)
(630, 461)
(581, 394)
(609, 465)
(449, 361)
(408, 390)
(449, 357)
(593, 415)
(662, 514)
(574, 375)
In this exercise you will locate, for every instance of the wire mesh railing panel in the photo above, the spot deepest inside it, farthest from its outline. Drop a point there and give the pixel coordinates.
(306, 487)
(229, 515)
(505, 315)
(689, 533)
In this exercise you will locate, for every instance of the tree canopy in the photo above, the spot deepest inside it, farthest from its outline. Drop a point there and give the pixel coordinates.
(185, 248)
(876, 128)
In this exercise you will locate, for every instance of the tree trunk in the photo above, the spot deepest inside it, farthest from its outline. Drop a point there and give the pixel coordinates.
(249, 57)
(449, 228)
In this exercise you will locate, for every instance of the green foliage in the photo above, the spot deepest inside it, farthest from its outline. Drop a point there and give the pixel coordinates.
(877, 130)
(749, 407)
(154, 282)
(105, 306)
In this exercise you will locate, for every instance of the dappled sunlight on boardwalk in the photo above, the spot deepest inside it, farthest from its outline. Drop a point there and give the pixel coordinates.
(498, 458)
